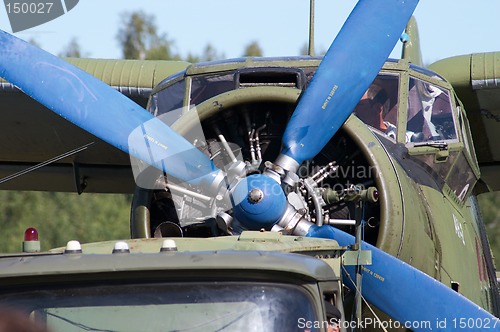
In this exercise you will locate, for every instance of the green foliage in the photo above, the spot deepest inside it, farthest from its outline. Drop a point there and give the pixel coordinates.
(139, 38)
(304, 50)
(60, 217)
(489, 204)
(209, 54)
(72, 50)
(253, 49)
(34, 42)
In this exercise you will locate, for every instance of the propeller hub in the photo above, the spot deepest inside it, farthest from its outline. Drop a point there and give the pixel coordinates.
(259, 202)
(255, 196)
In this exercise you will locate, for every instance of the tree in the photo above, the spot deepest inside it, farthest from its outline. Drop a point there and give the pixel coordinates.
(253, 49)
(72, 50)
(304, 50)
(209, 54)
(139, 38)
(60, 217)
(489, 204)
(34, 42)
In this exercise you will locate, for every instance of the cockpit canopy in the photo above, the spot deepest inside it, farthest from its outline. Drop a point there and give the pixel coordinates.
(429, 115)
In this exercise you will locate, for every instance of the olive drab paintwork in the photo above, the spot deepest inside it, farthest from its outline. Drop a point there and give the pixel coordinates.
(254, 259)
(425, 226)
(431, 153)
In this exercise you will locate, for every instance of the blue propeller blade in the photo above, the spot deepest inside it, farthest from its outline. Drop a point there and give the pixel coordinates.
(347, 70)
(410, 296)
(101, 110)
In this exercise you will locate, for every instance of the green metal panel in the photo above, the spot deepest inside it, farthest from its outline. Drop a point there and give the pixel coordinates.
(253, 252)
(129, 73)
(411, 49)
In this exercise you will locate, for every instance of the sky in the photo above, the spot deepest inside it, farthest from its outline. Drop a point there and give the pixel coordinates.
(447, 27)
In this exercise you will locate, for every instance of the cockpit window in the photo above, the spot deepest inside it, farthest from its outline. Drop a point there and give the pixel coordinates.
(207, 86)
(378, 107)
(168, 99)
(228, 306)
(430, 116)
(202, 88)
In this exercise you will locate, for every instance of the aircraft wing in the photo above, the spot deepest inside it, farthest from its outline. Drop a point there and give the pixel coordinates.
(476, 80)
(31, 134)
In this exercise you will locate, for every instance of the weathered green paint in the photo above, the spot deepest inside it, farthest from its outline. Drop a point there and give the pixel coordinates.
(411, 49)
(427, 227)
(129, 73)
(261, 252)
(24, 143)
(476, 80)
(418, 223)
